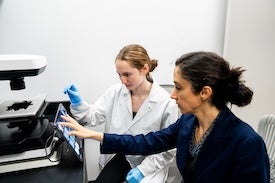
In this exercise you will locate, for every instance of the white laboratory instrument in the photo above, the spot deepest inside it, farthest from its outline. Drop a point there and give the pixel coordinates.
(26, 134)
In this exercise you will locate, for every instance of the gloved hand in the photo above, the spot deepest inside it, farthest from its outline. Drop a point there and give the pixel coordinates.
(73, 94)
(134, 176)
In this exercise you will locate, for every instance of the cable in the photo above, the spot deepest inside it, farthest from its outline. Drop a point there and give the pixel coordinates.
(53, 139)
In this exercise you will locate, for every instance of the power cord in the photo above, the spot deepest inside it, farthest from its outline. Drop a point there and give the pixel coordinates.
(53, 139)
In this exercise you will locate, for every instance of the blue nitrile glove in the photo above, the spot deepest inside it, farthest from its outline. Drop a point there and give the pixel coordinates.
(74, 96)
(134, 176)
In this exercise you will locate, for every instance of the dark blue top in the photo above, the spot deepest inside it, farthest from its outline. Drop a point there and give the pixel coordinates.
(233, 152)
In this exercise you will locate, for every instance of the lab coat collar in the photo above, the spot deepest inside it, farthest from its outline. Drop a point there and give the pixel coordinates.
(153, 95)
(147, 105)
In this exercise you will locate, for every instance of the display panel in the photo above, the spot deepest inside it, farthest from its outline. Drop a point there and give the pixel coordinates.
(75, 143)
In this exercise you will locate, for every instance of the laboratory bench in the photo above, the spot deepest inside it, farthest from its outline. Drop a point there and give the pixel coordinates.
(69, 170)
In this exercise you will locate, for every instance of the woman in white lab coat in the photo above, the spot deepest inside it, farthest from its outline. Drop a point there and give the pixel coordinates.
(136, 105)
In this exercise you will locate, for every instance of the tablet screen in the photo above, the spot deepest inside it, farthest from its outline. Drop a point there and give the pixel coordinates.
(75, 143)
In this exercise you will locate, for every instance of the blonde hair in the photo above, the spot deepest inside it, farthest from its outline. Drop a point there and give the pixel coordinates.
(137, 56)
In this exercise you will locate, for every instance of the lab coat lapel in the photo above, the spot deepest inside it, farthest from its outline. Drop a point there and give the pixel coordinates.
(147, 105)
(144, 109)
(126, 102)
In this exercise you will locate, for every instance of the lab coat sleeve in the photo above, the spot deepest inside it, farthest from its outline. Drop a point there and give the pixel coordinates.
(171, 114)
(93, 114)
(89, 115)
(155, 162)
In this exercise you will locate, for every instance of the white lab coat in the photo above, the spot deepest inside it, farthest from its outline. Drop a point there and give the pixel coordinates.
(114, 108)
(155, 168)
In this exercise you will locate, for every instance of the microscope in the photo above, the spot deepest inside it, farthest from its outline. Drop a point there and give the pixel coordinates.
(26, 132)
